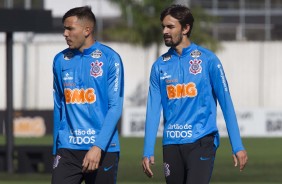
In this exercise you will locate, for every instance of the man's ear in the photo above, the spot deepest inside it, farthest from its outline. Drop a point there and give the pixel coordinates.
(87, 31)
(186, 29)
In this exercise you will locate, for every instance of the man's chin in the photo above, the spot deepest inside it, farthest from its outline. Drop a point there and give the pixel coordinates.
(71, 47)
(169, 44)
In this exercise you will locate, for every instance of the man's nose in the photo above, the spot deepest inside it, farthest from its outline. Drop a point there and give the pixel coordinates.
(165, 30)
(65, 34)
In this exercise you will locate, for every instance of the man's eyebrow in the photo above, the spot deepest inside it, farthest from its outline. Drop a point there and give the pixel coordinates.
(168, 25)
(67, 27)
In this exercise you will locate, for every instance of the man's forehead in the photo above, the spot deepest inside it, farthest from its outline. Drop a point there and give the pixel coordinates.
(74, 21)
(170, 19)
(71, 20)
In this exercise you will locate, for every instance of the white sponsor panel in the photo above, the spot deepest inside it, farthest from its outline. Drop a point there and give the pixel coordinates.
(255, 122)
(133, 123)
(252, 122)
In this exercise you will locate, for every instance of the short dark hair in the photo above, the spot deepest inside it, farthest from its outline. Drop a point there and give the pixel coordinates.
(81, 13)
(181, 13)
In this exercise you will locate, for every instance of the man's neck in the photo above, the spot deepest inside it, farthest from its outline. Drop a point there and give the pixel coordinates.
(184, 44)
(87, 44)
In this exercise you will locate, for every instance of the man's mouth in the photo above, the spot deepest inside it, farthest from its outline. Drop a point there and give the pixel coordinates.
(166, 37)
(68, 41)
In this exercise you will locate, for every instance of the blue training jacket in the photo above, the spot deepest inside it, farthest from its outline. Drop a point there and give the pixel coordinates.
(188, 87)
(88, 98)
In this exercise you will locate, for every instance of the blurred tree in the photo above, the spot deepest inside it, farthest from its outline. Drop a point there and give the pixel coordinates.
(140, 24)
(201, 33)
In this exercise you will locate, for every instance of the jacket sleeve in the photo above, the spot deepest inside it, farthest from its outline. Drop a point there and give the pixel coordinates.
(115, 102)
(221, 90)
(152, 113)
(57, 96)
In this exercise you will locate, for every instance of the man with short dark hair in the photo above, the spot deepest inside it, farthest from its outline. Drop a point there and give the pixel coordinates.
(88, 99)
(187, 82)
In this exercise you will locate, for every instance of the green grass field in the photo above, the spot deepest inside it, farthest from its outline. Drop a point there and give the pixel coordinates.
(264, 166)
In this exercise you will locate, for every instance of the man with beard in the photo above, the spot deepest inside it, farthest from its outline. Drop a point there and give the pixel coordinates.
(187, 81)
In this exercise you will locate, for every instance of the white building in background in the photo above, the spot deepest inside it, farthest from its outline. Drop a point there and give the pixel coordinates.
(101, 8)
(253, 70)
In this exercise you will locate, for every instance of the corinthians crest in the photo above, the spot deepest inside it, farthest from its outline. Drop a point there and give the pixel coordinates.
(96, 69)
(195, 66)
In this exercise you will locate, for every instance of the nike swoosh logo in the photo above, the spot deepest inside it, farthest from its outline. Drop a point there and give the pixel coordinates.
(107, 168)
(204, 158)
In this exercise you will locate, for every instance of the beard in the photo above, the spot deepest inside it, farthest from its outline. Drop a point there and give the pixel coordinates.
(172, 42)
